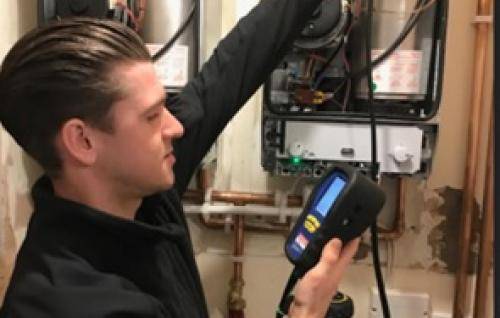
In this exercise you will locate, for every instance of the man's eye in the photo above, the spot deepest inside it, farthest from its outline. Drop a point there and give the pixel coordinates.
(153, 116)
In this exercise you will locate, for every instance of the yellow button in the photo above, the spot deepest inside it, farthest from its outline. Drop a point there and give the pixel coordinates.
(311, 218)
(309, 226)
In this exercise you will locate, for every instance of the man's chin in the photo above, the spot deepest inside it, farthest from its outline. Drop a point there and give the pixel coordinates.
(163, 185)
(166, 184)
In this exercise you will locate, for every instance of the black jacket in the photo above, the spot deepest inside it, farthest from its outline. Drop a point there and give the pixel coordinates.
(80, 262)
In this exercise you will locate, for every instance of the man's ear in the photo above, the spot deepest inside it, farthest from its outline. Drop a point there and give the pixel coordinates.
(78, 141)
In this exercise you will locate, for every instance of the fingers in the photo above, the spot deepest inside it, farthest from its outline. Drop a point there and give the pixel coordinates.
(334, 259)
(352, 247)
(331, 252)
(330, 255)
(315, 290)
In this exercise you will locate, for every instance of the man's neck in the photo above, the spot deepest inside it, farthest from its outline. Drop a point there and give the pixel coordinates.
(97, 196)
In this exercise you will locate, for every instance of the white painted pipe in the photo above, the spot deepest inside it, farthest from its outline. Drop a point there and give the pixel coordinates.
(242, 210)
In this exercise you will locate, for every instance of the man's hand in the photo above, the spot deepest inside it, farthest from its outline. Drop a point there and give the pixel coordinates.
(315, 290)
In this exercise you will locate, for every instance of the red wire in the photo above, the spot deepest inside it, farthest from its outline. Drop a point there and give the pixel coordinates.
(128, 11)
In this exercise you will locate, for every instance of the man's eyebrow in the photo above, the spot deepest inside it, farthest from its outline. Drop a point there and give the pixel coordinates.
(160, 102)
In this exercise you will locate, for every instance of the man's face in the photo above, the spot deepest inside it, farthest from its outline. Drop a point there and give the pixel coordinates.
(138, 157)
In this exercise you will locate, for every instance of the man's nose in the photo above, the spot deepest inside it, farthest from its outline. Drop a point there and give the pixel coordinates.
(172, 129)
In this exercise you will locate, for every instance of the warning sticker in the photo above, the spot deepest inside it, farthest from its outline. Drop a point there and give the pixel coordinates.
(399, 73)
(172, 68)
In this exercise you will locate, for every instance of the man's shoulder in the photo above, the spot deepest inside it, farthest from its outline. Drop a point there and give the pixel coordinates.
(57, 286)
(47, 271)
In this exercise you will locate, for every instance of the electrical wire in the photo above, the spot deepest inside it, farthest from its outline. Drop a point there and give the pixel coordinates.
(308, 67)
(318, 57)
(334, 93)
(420, 7)
(177, 34)
(322, 71)
(140, 7)
(425, 6)
(374, 165)
(127, 11)
(349, 81)
(286, 298)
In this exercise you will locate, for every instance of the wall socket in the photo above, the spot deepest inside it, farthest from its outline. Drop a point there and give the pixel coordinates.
(401, 304)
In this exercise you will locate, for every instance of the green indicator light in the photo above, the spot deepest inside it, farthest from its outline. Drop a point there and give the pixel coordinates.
(374, 86)
(296, 160)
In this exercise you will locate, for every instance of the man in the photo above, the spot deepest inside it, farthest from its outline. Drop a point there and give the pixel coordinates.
(108, 237)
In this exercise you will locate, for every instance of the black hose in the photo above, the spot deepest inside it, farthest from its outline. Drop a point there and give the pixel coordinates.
(410, 24)
(374, 165)
(287, 298)
(177, 34)
(378, 273)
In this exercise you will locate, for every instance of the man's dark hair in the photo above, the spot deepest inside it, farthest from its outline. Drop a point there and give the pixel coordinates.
(63, 71)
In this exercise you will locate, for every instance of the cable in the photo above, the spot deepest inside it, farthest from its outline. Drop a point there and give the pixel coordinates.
(420, 7)
(374, 165)
(425, 6)
(349, 81)
(322, 71)
(127, 13)
(177, 34)
(287, 298)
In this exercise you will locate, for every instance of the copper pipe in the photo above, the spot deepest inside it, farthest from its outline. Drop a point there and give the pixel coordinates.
(481, 44)
(241, 198)
(235, 301)
(198, 196)
(399, 220)
(486, 243)
(218, 223)
(238, 244)
(203, 179)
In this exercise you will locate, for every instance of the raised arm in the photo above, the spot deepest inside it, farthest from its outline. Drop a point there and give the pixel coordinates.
(241, 62)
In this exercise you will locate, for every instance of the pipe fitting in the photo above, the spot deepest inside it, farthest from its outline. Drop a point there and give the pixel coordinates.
(235, 299)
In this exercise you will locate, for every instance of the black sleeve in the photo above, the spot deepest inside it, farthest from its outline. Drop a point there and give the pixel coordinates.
(242, 61)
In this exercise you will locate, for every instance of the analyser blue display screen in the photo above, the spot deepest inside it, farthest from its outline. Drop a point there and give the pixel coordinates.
(329, 196)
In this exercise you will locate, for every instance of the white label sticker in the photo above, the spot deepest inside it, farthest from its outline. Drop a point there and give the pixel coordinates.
(399, 73)
(302, 241)
(172, 68)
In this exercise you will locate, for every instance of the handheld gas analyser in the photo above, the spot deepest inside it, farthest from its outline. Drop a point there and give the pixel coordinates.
(343, 204)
